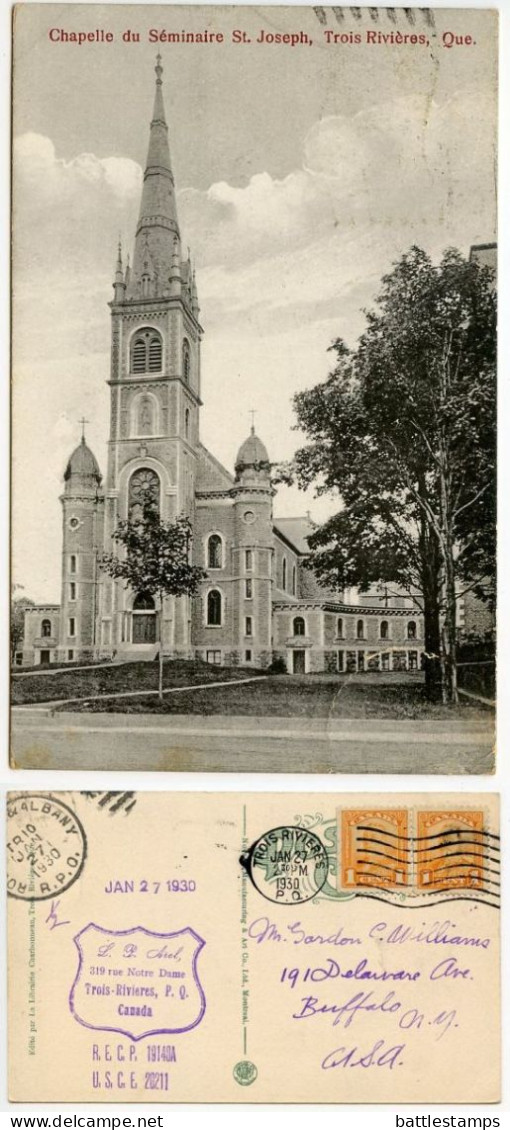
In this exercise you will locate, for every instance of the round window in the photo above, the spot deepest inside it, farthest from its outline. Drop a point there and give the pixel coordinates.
(249, 516)
(74, 523)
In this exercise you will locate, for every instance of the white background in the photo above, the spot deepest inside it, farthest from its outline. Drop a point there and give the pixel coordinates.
(359, 1116)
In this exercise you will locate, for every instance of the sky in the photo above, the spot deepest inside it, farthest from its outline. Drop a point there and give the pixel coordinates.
(302, 173)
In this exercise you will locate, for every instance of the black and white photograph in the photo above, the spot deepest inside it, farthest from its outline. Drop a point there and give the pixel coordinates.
(254, 389)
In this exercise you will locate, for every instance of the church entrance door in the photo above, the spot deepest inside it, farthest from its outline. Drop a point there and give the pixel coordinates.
(45, 656)
(298, 661)
(144, 627)
(144, 619)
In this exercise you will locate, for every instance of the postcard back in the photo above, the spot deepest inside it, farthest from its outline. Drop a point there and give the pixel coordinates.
(270, 948)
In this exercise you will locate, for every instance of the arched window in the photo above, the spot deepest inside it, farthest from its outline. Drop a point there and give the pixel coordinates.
(186, 361)
(411, 630)
(299, 626)
(340, 627)
(385, 630)
(186, 423)
(214, 552)
(144, 489)
(146, 352)
(144, 602)
(293, 580)
(46, 628)
(214, 608)
(360, 630)
(284, 574)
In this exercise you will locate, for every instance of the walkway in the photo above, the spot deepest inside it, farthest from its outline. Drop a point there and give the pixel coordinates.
(182, 743)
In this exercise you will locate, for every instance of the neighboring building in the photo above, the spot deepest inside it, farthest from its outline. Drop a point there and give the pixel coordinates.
(486, 255)
(259, 601)
(42, 634)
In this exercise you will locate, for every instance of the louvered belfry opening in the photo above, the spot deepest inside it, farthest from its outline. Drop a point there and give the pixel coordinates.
(147, 352)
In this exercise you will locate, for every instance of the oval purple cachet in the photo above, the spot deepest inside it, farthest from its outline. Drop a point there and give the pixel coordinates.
(46, 846)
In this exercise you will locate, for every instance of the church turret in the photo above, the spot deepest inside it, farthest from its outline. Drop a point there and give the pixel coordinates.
(252, 463)
(253, 549)
(82, 505)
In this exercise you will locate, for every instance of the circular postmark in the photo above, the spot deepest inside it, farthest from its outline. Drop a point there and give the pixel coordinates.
(46, 846)
(245, 1072)
(287, 865)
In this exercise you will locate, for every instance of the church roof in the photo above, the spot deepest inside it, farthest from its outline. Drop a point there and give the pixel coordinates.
(251, 451)
(82, 462)
(211, 475)
(296, 531)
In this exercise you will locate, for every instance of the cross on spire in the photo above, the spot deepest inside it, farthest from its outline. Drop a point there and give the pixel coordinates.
(252, 414)
(83, 421)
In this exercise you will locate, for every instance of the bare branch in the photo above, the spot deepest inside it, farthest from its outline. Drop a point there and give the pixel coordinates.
(471, 500)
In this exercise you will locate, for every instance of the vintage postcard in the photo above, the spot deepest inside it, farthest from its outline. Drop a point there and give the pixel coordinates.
(253, 948)
(254, 388)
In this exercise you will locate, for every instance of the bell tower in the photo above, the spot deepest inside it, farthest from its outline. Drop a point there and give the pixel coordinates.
(154, 382)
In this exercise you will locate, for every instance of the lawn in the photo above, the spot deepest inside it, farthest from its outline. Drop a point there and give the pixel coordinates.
(313, 696)
(115, 678)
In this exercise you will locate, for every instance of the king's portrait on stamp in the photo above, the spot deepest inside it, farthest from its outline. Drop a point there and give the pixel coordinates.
(254, 389)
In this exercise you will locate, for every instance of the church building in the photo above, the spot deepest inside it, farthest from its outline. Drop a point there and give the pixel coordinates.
(259, 600)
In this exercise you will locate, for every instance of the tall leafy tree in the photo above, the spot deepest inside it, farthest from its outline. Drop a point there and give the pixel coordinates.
(403, 433)
(154, 559)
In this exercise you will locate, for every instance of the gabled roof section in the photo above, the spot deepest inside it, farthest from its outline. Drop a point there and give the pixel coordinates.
(211, 474)
(296, 531)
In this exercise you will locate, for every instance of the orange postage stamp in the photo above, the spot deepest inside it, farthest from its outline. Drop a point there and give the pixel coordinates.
(418, 853)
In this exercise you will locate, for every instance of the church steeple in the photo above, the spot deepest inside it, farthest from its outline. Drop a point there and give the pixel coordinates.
(158, 226)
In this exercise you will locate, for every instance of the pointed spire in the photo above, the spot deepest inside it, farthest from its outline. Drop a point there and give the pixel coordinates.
(158, 116)
(158, 223)
(175, 269)
(118, 273)
(194, 295)
(119, 285)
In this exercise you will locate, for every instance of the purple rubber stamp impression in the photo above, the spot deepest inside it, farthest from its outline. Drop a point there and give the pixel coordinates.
(137, 982)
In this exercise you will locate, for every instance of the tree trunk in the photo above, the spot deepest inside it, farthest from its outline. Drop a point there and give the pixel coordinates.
(160, 633)
(430, 583)
(449, 633)
(433, 675)
(450, 628)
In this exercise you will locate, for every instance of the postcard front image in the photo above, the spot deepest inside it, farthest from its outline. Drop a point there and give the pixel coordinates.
(254, 384)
